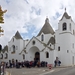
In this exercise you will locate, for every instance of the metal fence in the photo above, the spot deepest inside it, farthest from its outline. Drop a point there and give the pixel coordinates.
(2, 69)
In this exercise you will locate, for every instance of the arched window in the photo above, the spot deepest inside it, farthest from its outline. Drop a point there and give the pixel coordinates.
(67, 51)
(73, 32)
(23, 56)
(70, 26)
(58, 48)
(1, 56)
(47, 55)
(13, 39)
(73, 45)
(42, 37)
(6, 56)
(13, 48)
(64, 27)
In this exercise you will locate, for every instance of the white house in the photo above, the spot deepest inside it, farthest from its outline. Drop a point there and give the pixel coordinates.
(47, 45)
(4, 54)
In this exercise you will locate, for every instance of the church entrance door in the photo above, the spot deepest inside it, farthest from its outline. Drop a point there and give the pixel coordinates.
(37, 56)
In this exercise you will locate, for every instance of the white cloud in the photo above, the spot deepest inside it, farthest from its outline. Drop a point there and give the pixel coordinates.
(20, 13)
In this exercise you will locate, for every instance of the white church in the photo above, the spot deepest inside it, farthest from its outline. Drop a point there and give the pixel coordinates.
(46, 46)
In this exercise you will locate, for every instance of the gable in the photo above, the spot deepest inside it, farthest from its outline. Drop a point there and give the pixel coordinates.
(37, 43)
(34, 42)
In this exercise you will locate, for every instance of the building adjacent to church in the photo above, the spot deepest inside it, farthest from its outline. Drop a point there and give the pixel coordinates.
(46, 46)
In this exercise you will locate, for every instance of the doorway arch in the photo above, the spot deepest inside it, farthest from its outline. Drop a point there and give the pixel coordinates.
(33, 54)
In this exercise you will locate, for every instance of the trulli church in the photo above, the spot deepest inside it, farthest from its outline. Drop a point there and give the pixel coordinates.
(46, 46)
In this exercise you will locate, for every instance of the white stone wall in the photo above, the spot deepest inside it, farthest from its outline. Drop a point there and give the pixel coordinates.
(19, 44)
(52, 56)
(64, 39)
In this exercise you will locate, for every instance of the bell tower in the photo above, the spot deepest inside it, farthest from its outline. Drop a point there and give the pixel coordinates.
(66, 38)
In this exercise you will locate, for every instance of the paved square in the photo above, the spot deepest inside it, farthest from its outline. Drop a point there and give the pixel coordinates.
(27, 71)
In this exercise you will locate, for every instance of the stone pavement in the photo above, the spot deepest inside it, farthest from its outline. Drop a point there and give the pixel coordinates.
(32, 71)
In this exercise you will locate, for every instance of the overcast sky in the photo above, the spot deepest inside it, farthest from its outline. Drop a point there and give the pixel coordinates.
(28, 16)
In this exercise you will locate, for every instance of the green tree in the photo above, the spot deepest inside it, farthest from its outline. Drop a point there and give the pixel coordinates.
(1, 19)
(1, 15)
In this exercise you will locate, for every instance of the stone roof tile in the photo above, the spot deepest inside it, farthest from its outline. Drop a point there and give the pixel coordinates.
(46, 29)
(17, 35)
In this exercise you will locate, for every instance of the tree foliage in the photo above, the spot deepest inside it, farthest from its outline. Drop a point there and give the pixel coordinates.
(1, 15)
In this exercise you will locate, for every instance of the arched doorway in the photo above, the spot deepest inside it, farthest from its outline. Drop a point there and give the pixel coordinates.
(37, 56)
(33, 54)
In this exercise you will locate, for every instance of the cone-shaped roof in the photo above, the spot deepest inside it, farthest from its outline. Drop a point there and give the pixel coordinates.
(46, 29)
(17, 35)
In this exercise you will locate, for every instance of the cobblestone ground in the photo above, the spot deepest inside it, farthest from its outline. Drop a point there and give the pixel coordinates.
(27, 71)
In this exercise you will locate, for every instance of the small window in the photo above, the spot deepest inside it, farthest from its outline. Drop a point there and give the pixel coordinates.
(70, 26)
(47, 55)
(6, 56)
(42, 37)
(59, 48)
(73, 45)
(67, 51)
(33, 42)
(13, 39)
(13, 48)
(23, 56)
(1, 56)
(64, 26)
(73, 32)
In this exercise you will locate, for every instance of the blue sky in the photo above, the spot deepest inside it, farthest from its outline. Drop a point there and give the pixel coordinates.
(28, 16)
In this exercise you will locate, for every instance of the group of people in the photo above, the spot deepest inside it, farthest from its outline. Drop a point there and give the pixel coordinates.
(27, 64)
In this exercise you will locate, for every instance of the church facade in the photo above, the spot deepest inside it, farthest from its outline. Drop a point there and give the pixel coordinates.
(47, 45)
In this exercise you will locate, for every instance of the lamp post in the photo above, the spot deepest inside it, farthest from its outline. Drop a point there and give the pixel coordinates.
(2, 20)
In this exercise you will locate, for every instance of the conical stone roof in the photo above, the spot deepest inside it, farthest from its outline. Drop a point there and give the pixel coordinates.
(46, 29)
(17, 35)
